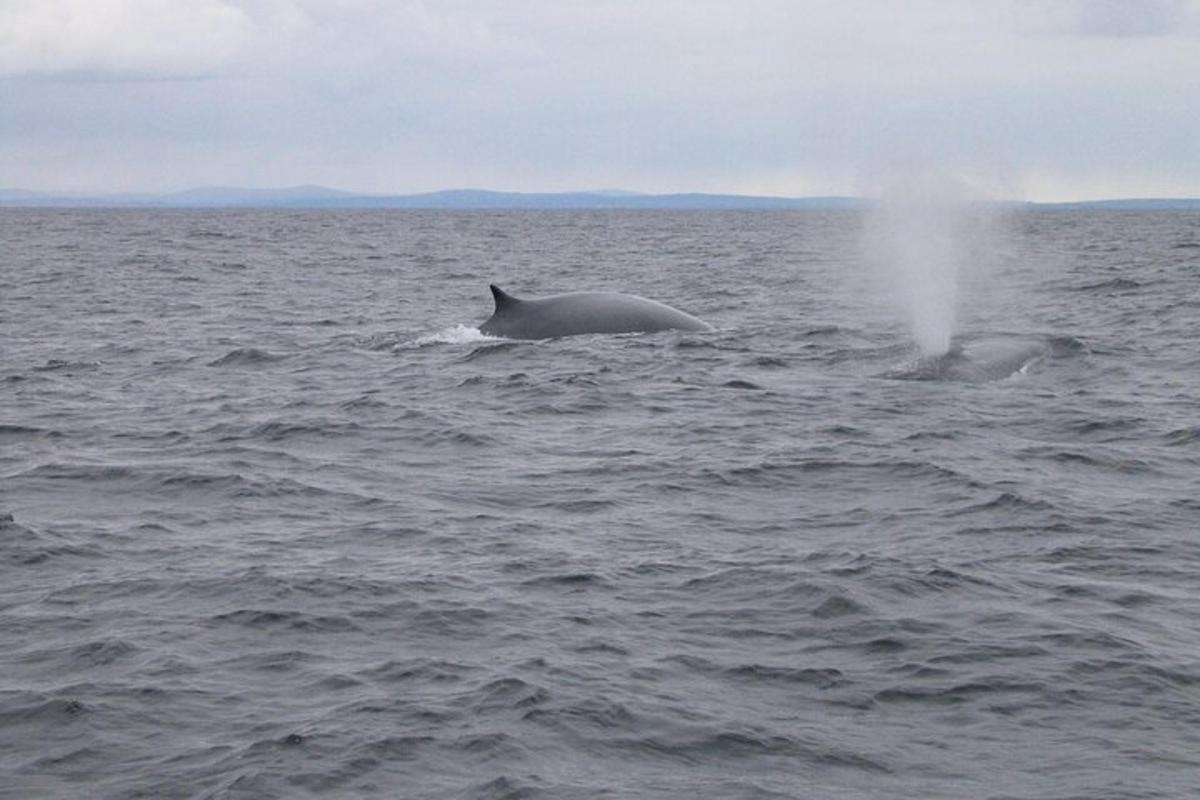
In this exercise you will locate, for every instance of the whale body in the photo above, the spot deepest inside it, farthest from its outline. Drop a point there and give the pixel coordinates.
(583, 312)
(975, 362)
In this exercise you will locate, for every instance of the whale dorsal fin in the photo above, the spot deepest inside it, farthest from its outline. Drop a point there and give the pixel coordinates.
(502, 298)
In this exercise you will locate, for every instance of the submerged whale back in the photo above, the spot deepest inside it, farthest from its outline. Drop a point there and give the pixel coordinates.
(581, 313)
(975, 362)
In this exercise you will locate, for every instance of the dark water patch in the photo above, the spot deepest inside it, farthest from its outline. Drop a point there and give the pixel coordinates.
(26, 432)
(454, 622)
(78, 761)
(101, 653)
(22, 546)
(593, 714)
(334, 684)
(599, 648)
(845, 431)
(807, 471)
(733, 745)
(1182, 436)
(746, 578)
(738, 383)
(944, 436)
(977, 653)
(399, 748)
(419, 670)
(982, 690)
(167, 437)
(279, 430)
(246, 357)
(1151, 680)
(1003, 503)
(212, 233)
(26, 708)
(1096, 458)
(179, 482)
(490, 746)
(839, 606)
(268, 618)
(363, 402)
(504, 694)
(574, 581)
(580, 505)
(457, 437)
(505, 788)
(1112, 285)
(1068, 346)
(273, 661)
(586, 379)
(90, 473)
(884, 645)
(1109, 429)
(760, 674)
(65, 366)
(95, 594)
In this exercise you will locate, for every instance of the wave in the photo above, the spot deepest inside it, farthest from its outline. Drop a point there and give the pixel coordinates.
(1182, 436)
(25, 707)
(24, 546)
(182, 480)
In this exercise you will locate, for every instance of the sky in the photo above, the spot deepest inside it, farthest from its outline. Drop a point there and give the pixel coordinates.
(1029, 99)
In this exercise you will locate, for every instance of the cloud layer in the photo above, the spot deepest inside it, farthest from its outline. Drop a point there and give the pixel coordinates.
(1076, 98)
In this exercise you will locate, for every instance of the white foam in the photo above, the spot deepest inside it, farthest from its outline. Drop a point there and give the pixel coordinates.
(457, 334)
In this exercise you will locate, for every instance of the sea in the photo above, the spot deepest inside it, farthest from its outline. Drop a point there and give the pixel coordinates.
(277, 521)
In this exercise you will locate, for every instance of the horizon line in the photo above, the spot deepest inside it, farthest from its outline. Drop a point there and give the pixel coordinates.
(317, 196)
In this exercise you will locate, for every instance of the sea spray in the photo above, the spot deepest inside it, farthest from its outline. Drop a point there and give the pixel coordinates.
(915, 241)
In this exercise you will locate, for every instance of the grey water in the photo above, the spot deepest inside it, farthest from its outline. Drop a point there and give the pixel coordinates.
(277, 522)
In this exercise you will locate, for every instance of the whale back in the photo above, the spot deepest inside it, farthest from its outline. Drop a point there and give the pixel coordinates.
(582, 313)
(975, 362)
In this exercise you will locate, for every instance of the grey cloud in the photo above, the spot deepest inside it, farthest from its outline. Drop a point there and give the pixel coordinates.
(765, 95)
(1131, 17)
(1108, 18)
(135, 38)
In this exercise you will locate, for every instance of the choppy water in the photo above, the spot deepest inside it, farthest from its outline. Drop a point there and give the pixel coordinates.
(277, 523)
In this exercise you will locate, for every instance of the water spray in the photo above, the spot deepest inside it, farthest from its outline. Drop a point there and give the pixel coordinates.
(917, 236)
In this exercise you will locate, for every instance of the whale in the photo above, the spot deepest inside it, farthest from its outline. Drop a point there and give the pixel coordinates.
(582, 313)
(980, 361)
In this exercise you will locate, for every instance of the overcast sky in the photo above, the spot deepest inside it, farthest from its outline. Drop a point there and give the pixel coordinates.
(1048, 99)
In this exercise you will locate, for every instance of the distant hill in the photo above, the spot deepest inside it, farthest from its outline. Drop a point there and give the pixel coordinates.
(322, 197)
(1132, 204)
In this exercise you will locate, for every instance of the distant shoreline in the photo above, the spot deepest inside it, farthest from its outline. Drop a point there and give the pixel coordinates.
(317, 197)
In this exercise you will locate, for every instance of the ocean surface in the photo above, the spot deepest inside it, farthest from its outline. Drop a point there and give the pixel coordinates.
(276, 521)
